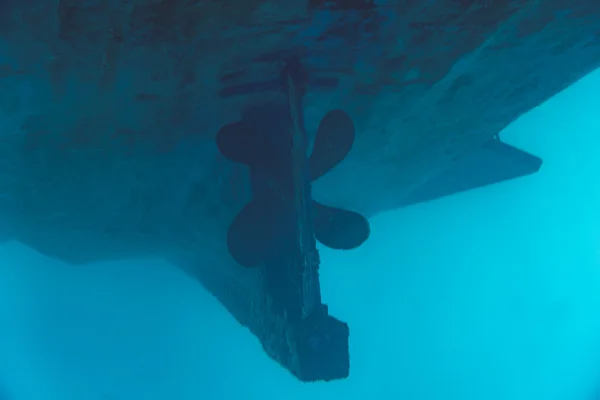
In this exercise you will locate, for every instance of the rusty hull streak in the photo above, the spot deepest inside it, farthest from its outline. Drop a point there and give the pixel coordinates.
(108, 150)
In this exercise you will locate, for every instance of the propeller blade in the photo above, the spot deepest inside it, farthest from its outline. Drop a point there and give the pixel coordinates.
(251, 235)
(339, 229)
(240, 143)
(333, 142)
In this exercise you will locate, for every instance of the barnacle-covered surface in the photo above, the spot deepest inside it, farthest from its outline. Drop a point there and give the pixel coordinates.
(109, 109)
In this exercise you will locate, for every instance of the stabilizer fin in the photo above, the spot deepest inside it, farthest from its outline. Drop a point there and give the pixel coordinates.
(494, 162)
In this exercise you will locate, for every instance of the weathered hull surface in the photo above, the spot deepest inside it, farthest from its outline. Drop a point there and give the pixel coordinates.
(109, 110)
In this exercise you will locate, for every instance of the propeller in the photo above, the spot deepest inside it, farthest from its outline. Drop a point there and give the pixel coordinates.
(253, 232)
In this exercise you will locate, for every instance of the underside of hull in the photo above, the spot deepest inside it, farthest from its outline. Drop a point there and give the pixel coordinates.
(123, 91)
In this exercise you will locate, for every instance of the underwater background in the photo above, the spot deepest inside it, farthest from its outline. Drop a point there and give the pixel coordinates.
(491, 294)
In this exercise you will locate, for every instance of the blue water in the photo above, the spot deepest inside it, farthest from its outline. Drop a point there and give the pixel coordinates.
(487, 295)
